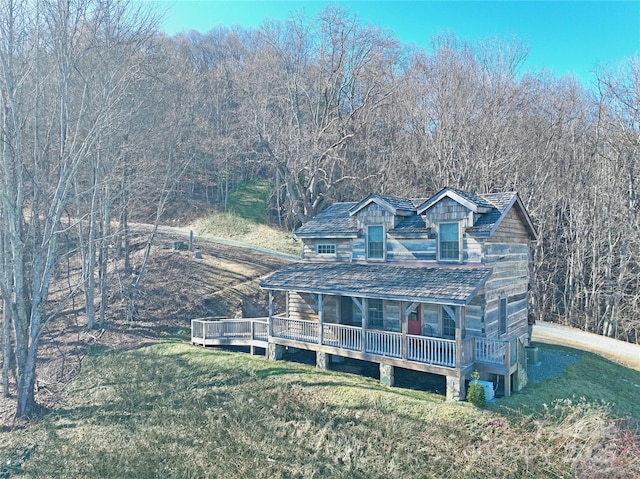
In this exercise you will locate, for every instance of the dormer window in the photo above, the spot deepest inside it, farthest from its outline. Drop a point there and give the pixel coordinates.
(449, 241)
(375, 242)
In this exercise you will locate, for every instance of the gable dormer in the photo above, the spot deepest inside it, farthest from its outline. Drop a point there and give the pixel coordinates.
(450, 204)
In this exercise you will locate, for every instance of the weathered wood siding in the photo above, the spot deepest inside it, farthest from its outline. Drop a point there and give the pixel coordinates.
(475, 317)
(447, 210)
(511, 229)
(301, 306)
(508, 252)
(374, 214)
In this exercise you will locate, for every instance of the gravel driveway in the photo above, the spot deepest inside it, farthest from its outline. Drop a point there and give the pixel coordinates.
(624, 353)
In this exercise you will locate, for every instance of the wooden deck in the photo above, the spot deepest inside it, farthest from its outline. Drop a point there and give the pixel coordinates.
(422, 353)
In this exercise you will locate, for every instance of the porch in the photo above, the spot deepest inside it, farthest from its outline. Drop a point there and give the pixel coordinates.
(447, 357)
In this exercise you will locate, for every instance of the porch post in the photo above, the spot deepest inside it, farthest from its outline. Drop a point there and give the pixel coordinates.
(320, 318)
(403, 329)
(458, 340)
(460, 334)
(365, 321)
(270, 328)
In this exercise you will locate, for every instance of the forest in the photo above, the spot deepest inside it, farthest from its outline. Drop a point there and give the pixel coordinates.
(105, 121)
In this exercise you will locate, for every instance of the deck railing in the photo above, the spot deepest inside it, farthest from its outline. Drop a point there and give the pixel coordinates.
(431, 350)
(493, 351)
(205, 329)
(420, 349)
(343, 337)
(384, 343)
(295, 329)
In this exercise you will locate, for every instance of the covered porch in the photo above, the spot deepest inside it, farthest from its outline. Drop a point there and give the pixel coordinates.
(387, 348)
(408, 317)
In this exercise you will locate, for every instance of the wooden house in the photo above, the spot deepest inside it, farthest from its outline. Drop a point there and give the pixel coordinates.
(437, 285)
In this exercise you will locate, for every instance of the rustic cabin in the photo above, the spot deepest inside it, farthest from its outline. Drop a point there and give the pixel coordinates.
(437, 285)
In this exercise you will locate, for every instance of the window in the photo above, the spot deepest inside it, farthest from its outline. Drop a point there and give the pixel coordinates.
(326, 249)
(449, 241)
(448, 325)
(375, 311)
(375, 242)
(502, 314)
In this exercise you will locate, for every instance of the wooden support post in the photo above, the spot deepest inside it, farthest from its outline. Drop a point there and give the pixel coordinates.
(253, 337)
(507, 367)
(403, 328)
(320, 318)
(365, 320)
(270, 328)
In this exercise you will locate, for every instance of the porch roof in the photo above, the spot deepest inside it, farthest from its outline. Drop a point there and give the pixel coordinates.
(448, 285)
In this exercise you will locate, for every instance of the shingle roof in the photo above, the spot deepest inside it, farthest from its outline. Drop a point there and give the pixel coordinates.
(334, 222)
(393, 201)
(410, 224)
(479, 200)
(455, 286)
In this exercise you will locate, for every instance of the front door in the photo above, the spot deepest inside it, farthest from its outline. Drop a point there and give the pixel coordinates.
(414, 322)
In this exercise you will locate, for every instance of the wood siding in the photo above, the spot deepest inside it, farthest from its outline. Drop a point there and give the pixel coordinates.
(506, 251)
(447, 210)
(301, 306)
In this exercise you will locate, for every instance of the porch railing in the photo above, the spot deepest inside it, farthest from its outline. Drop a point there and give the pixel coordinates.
(431, 350)
(295, 329)
(204, 329)
(493, 351)
(343, 337)
(421, 349)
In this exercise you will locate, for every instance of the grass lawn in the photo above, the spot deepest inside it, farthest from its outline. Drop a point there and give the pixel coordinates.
(231, 226)
(176, 411)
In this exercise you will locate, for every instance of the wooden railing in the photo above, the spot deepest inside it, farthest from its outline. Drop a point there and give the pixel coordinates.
(492, 351)
(431, 350)
(384, 343)
(204, 329)
(343, 337)
(421, 349)
(295, 329)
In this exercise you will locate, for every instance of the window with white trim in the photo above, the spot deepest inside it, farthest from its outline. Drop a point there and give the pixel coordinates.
(449, 241)
(326, 248)
(375, 242)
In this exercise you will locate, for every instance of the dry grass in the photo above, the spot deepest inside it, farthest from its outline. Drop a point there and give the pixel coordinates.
(229, 226)
(178, 411)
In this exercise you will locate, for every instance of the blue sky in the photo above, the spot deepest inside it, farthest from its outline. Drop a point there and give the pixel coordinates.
(565, 37)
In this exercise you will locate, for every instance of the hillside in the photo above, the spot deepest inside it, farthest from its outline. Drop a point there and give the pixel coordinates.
(175, 410)
(178, 411)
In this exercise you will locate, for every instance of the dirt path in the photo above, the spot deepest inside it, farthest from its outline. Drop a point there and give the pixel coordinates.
(624, 353)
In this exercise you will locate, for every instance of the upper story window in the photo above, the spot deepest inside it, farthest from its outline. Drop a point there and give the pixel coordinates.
(375, 242)
(449, 241)
(326, 248)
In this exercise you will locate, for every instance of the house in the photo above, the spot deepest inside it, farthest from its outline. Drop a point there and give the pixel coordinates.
(437, 285)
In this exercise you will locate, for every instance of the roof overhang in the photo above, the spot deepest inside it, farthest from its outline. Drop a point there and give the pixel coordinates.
(455, 286)
(522, 213)
(448, 193)
(380, 202)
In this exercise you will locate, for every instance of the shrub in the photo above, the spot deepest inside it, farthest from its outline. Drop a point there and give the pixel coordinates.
(475, 394)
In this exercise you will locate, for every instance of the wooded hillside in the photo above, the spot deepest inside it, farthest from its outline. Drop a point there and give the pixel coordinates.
(103, 120)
